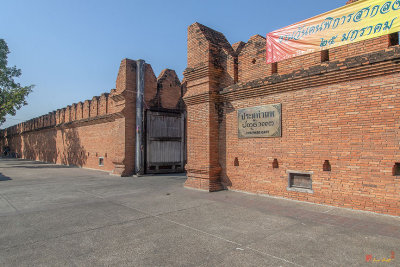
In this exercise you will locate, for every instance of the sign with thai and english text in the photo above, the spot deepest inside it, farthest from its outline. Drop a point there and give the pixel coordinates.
(262, 121)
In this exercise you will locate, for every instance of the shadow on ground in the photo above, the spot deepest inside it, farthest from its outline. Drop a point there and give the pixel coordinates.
(42, 167)
(4, 178)
(77, 217)
(27, 164)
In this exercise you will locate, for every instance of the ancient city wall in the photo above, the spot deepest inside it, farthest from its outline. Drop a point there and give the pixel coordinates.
(353, 127)
(97, 133)
(340, 120)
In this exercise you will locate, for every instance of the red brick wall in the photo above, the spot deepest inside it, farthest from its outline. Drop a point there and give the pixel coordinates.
(343, 111)
(251, 59)
(169, 90)
(359, 48)
(150, 82)
(252, 62)
(301, 62)
(71, 141)
(101, 127)
(207, 57)
(77, 146)
(354, 125)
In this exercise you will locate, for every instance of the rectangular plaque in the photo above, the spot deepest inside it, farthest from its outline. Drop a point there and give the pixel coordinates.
(262, 121)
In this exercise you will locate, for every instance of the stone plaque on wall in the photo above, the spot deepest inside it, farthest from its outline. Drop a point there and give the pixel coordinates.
(261, 121)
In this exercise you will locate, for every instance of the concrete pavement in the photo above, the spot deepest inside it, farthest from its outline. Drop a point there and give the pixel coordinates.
(54, 215)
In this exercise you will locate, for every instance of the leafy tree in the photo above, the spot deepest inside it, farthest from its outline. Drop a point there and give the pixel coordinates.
(12, 94)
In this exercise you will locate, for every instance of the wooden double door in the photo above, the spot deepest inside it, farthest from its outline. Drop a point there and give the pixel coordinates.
(165, 142)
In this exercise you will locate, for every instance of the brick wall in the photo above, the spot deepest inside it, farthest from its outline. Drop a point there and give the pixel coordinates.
(343, 111)
(251, 59)
(206, 61)
(76, 135)
(353, 124)
(103, 127)
(169, 91)
(252, 63)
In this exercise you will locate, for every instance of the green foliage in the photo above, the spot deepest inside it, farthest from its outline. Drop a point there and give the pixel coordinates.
(12, 94)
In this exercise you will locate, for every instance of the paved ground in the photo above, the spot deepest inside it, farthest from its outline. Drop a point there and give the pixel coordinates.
(55, 215)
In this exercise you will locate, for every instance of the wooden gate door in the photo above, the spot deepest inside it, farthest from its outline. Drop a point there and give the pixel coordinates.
(165, 142)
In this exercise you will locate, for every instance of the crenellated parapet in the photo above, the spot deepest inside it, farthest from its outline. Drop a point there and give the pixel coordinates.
(103, 104)
(97, 107)
(86, 109)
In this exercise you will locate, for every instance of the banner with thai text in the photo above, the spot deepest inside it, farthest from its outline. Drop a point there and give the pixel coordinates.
(359, 21)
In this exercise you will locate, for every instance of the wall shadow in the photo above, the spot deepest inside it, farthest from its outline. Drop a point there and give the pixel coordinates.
(44, 146)
(38, 145)
(224, 109)
(74, 153)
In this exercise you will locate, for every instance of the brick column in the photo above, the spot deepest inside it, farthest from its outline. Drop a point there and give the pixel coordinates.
(123, 103)
(207, 70)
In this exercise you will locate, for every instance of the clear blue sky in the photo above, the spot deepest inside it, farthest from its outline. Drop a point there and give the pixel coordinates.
(71, 50)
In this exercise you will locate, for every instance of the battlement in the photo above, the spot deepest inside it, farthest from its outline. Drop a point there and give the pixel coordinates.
(95, 108)
(209, 51)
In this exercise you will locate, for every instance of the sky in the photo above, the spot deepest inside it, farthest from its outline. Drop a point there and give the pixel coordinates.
(71, 50)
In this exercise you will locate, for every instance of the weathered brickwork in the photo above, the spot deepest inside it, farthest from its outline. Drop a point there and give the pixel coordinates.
(251, 59)
(344, 111)
(102, 128)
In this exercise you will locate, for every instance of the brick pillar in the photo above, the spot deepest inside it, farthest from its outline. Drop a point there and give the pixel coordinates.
(123, 102)
(207, 71)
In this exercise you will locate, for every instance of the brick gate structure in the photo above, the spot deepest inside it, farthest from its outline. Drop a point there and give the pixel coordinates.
(97, 133)
(340, 138)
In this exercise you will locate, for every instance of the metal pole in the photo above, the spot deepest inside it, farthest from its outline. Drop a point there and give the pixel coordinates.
(139, 155)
